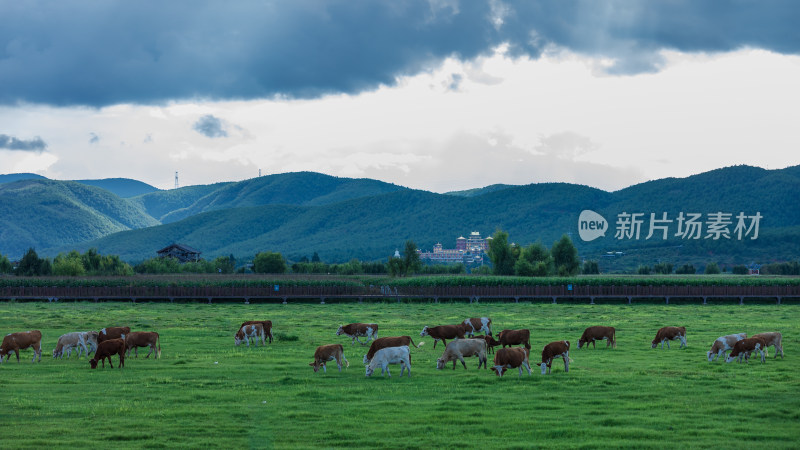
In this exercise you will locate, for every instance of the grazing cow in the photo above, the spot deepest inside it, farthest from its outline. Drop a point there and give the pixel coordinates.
(773, 339)
(509, 358)
(107, 349)
(389, 341)
(666, 334)
(112, 333)
(515, 337)
(598, 333)
(444, 332)
(255, 331)
(330, 352)
(79, 340)
(267, 324)
(723, 344)
(391, 355)
(137, 339)
(476, 325)
(14, 342)
(458, 349)
(745, 347)
(491, 342)
(558, 349)
(357, 330)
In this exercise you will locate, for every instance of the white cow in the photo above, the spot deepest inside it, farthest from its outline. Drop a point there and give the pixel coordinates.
(391, 355)
(79, 340)
(254, 331)
(723, 344)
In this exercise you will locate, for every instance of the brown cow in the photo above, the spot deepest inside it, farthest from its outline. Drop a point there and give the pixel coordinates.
(747, 346)
(137, 339)
(458, 349)
(14, 342)
(598, 333)
(515, 337)
(478, 324)
(509, 358)
(558, 349)
(723, 344)
(255, 331)
(389, 341)
(357, 330)
(107, 349)
(491, 342)
(666, 334)
(773, 339)
(444, 332)
(266, 324)
(112, 333)
(330, 352)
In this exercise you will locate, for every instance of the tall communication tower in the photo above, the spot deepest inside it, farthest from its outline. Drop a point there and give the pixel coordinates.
(176, 180)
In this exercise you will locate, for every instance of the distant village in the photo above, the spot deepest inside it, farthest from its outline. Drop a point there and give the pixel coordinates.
(468, 251)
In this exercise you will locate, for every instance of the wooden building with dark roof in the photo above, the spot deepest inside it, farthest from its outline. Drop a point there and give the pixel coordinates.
(182, 253)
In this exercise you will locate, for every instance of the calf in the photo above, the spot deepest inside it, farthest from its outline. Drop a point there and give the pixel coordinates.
(509, 358)
(357, 330)
(79, 340)
(444, 332)
(666, 334)
(267, 324)
(745, 347)
(477, 325)
(598, 333)
(391, 355)
(515, 337)
(460, 348)
(138, 339)
(389, 341)
(558, 349)
(112, 333)
(491, 342)
(723, 344)
(255, 331)
(106, 349)
(14, 342)
(773, 339)
(330, 352)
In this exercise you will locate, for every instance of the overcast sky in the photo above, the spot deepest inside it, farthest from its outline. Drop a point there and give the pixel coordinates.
(432, 94)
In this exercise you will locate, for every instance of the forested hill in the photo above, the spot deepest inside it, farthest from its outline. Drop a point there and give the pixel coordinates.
(123, 187)
(43, 213)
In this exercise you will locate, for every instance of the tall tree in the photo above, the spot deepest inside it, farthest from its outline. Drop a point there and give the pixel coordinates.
(411, 261)
(269, 262)
(501, 254)
(565, 257)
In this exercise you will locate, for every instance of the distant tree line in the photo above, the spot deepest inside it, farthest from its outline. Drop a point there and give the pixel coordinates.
(536, 260)
(75, 264)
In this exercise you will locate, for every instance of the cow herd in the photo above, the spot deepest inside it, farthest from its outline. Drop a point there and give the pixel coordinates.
(104, 343)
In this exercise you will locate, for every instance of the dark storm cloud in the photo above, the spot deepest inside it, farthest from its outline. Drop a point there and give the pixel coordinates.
(12, 143)
(210, 126)
(85, 53)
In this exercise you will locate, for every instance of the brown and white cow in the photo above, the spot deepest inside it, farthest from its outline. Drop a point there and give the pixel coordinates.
(745, 347)
(266, 324)
(509, 358)
(357, 330)
(598, 333)
(106, 349)
(330, 352)
(112, 333)
(78, 340)
(246, 332)
(723, 344)
(137, 339)
(444, 332)
(515, 337)
(553, 350)
(477, 325)
(460, 348)
(14, 342)
(666, 334)
(773, 339)
(388, 341)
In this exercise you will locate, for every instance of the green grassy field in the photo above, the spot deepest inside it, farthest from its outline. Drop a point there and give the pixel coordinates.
(205, 392)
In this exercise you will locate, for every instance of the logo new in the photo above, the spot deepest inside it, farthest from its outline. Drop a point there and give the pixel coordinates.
(591, 225)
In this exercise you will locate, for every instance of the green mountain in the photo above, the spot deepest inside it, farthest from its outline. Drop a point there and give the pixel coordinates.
(480, 191)
(11, 177)
(122, 187)
(43, 213)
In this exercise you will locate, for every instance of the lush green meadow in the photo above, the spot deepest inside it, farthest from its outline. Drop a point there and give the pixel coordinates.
(205, 392)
